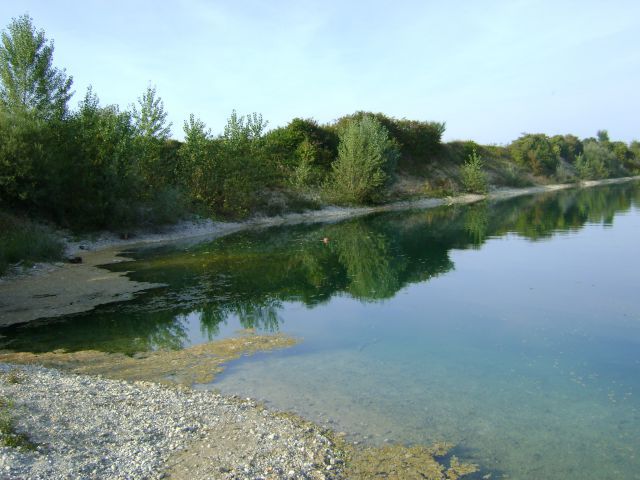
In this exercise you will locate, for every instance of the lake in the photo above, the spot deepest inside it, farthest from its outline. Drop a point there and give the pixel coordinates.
(510, 328)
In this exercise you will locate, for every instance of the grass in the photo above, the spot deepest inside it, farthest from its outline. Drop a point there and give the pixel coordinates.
(9, 437)
(21, 240)
(13, 377)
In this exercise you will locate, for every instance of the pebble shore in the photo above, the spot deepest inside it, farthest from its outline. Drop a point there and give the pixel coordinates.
(90, 427)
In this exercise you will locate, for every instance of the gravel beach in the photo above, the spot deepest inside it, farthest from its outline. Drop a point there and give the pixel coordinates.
(90, 427)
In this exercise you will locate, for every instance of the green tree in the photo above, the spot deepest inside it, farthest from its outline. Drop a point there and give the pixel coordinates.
(194, 156)
(27, 146)
(242, 170)
(597, 161)
(474, 179)
(633, 163)
(366, 159)
(305, 172)
(152, 132)
(603, 136)
(537, 152)
(241, 132)
(98, 178)
(151, 120)
(29, 83)
(299, 148)
(568, 146)
(418, 142)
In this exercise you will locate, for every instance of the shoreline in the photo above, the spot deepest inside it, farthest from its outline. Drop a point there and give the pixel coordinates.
(53, 290)
(209, 229)
(87, 426)
(103, 428)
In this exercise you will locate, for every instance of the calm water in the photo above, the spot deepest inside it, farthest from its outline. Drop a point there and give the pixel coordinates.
(511, 329)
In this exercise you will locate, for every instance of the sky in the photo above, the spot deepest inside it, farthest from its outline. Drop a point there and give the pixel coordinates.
(491, 70)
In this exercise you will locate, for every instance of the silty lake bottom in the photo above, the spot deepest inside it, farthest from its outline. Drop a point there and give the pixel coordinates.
(511, 329)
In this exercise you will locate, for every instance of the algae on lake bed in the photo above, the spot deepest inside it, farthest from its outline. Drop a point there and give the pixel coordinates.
(197, 364)
(399, 462)
(392, 461)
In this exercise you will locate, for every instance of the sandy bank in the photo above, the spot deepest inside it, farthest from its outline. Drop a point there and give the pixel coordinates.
(66, 288)
(61, 289)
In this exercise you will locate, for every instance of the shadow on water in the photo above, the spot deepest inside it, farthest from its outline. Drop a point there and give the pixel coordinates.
(251, 276)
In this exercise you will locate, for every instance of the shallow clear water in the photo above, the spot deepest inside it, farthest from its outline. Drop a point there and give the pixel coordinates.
(511, 329)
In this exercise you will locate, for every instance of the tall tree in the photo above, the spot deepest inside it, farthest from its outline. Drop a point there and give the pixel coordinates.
(153, 130)
(28, 80)
(603, 136)
(151, 119)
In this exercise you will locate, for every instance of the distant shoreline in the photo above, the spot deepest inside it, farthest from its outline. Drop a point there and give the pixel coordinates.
(51, 290)
(211, 229)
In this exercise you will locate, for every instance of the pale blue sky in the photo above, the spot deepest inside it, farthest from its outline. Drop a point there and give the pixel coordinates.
(489, 69)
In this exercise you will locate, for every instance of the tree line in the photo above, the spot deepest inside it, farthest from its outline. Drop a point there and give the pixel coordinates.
(102, 166)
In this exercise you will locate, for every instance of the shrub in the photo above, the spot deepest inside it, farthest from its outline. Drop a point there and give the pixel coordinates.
(366, 158)
(23, 157)
(98, 180)
(417, 141)
(536, 152)
(597, 161)
(633, 163)
(440, 188)
(22, 240)
(565, 172)
(239, 194)
(305, 173)
(167, 206)
(301, 153)
(589, 169)
(514, 176)
(225, 175)
(567, 146)
(473, 177)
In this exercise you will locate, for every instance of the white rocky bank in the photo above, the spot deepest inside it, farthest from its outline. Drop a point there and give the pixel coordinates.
(89, 427)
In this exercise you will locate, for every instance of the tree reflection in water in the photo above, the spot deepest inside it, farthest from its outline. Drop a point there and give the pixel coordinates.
(251, 275)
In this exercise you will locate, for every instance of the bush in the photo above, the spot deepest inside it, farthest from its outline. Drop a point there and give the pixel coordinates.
(22, 240)
(225, 175)
(167, 206)
(98, 180)
(591, 166)
(567, 146)
(565, 172)
(418, 142)
(474, 179)
(536, 152)
(25, 152)
(596, 162)
(366, 158)
(514, 176)
(301, 144)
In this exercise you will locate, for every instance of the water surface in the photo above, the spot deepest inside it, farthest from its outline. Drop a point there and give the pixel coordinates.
(511, 329)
